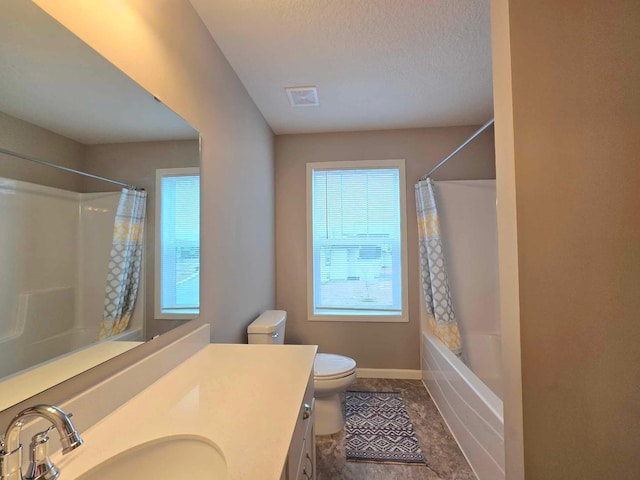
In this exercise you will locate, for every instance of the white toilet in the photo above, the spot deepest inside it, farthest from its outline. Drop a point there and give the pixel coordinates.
(332, 374)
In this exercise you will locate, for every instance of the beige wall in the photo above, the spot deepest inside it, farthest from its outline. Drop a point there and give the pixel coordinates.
(26, 138)
(372, 345)
(166, 49)
(136, 163)
(575, 71)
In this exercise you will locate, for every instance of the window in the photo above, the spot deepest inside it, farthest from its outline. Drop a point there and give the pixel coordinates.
(356, 245)
(177, 289)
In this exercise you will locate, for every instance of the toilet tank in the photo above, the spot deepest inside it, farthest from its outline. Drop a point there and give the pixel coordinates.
(268, 328)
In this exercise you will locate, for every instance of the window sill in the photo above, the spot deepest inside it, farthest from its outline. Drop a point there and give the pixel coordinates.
(360, 318)
(179, 315)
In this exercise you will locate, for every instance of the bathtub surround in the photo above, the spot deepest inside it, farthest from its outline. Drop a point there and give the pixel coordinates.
(54, 306)
(466, 389)
(433, 269)
(379, 345)
(467, 217)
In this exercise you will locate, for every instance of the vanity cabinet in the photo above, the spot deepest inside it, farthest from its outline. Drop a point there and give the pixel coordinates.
(301, 461)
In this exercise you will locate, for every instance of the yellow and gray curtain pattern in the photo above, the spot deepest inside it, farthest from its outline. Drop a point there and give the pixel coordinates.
(435, 282)
(125, 262)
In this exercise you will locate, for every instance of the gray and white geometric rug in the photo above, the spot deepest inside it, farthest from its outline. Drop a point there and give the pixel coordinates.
(379, 429)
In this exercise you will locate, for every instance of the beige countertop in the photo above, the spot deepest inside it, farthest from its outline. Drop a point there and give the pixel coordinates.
(244, 398)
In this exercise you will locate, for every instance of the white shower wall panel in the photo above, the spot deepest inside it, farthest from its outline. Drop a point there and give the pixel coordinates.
(38, 243)
(468, 220)
(38, 261)
(97, 211)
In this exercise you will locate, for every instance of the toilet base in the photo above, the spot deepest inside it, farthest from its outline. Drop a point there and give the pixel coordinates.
(329, 418)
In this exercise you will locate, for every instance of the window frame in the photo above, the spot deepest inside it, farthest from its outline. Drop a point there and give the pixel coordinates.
(160, 174)
(358, 165)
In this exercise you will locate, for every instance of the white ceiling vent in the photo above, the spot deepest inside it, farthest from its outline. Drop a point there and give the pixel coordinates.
(303, 96)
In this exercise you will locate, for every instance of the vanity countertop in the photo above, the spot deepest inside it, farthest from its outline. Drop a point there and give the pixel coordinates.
(245, 398)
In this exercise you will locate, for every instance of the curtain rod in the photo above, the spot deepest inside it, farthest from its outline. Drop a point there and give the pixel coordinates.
(67, 169)
(452, 154)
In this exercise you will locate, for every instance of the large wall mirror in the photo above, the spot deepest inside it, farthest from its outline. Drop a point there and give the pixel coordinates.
(71, 255)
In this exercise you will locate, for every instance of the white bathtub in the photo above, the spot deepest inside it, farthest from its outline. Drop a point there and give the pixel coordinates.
(472, 411)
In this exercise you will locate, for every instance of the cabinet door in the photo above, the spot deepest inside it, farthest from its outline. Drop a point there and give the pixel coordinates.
(303, 426)
(308, 460)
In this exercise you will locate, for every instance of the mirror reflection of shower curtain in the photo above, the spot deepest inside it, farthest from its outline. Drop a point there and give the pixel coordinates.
(433, 272)
(125, 262)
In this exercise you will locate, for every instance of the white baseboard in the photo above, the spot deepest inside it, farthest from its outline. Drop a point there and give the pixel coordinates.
(389, 373)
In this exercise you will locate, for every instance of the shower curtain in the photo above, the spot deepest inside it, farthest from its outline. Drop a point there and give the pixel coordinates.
(435, 283)
(123, 277)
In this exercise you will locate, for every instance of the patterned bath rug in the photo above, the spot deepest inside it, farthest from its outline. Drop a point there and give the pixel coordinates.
(379, 429)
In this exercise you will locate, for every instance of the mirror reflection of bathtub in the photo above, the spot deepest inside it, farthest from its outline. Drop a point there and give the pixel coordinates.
(53, 279)
(56, 226)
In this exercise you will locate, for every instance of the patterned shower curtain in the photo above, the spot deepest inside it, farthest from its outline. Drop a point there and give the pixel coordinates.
(125, 263)
(435, 283)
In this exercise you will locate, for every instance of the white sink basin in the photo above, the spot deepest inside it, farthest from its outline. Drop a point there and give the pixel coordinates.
(165, 458)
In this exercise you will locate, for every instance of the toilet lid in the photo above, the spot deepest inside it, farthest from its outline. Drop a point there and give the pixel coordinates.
(328, 366)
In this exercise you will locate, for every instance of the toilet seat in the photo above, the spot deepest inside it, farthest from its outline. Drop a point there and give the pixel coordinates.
(329, 366)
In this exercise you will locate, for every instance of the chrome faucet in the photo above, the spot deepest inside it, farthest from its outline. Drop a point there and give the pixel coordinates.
(11, 448)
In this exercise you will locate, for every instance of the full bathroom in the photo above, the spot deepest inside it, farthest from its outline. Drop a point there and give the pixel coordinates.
(318, 240)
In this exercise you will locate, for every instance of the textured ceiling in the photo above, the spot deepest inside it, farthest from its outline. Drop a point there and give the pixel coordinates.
(51, 78)
(376, 63)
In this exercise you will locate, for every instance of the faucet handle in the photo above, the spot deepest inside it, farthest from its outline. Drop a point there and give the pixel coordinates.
(40, 465)
(11, 454)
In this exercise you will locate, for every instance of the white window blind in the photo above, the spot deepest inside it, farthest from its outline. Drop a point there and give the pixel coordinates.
(179, 246)
(357, 242)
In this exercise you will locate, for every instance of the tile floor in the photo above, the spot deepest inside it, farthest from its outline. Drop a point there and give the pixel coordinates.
(444, 459)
